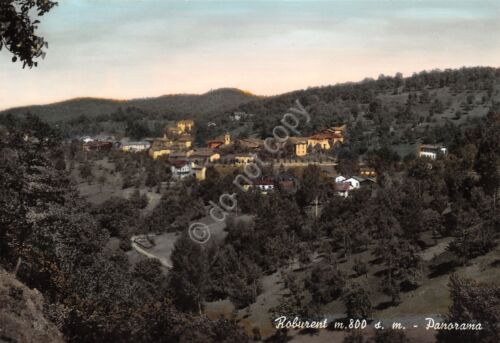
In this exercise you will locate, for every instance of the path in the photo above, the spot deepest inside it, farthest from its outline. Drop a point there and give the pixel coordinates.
(140, 250)
(165, 242)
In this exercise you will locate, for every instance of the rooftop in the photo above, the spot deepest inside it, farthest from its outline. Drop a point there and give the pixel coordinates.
(298, 140)
(431, 146)
(203, 152)
(185, 138)
(178, 163)
(325, 135)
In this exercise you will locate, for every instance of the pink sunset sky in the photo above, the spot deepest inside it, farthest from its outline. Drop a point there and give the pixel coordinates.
(133, 49)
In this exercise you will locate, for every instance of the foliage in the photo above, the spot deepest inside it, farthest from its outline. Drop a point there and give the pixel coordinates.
(357, 302)
(120, 217)
(233, 276)
(473, 303)
(174, 212)
(325, 284)
(60, 249)
(189, 275)
(17, 29)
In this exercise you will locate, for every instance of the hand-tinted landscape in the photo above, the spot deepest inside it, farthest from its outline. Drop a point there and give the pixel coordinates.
(369, 206)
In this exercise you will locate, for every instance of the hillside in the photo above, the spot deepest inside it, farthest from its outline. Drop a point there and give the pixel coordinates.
(172, 105)
(21, 315)
(413, 244)
(389, 110)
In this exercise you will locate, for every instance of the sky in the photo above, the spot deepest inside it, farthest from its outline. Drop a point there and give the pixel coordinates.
(126, 49)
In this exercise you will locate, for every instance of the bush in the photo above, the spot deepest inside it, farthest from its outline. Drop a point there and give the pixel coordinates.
(357, 302)
(325, 284)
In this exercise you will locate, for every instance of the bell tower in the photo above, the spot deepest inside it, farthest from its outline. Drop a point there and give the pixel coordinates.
(227, 138)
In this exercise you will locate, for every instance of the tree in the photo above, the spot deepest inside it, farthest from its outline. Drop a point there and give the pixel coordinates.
(488, 160)
(325, 284)
(310, 187)
(189, 275)
(140, 201)
(233, 276)
(60, 164)
(390, 287)
(473, 302)
(17, 29)
(164, 324)
(473, 242)
(410, 211)
(174, 212)
(243, 294)
(101, 180)
(86, 171)
(256, 335)
(128, 179)
(150, 279)
(152, 178)
(137, 130)
(403, 265)
(118, 216)
(42, 221)
(360, 267)
(357, 302)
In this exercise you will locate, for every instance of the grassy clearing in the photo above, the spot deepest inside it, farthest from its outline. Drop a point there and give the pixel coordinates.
(97, 193)
(429, 300)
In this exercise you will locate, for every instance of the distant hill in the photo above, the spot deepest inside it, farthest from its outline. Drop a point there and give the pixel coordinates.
(175, 106)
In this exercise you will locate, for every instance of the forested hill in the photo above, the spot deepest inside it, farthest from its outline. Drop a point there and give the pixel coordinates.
(192, 105)
(391, 110)
(390, 103)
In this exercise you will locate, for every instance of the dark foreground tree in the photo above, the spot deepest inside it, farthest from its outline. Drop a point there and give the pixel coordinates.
(357, 302)
(325, 284)
(17, 29)
(473, 302)
(189, 275)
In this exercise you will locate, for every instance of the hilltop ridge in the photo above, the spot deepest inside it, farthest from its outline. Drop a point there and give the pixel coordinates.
(196, 105)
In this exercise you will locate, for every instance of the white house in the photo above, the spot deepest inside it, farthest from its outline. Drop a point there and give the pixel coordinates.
(342, 189)
(431, 151)
(340, 179)
(264, 186)
(354, 182)
(236, 116)
(87, 139)
(181, 169)
(343, 186)
(135, 146)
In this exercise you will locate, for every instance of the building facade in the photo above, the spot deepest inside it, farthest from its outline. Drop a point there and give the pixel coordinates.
(431, 151)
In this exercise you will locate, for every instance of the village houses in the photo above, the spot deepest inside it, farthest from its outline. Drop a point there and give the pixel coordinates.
(343, 185)
(327, 138)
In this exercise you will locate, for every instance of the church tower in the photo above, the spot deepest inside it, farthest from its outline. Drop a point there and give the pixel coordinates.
(227, 138)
